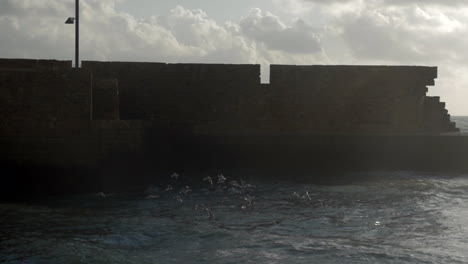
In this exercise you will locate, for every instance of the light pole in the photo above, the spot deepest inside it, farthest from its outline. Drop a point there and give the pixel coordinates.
(76, 20)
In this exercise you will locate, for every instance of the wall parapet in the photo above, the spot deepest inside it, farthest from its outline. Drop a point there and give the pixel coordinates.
(217, 98)
(212, 98)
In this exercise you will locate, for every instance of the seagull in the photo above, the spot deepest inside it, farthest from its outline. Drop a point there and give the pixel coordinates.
(152, 189)
(185, 190)
(169, 188)
(235, 184)
(221, 179)
(179, 199)
(175, 176)
(245, 184)
(208, 179)
(249, 201)
(152, 196)
(308, 196)
(210, 213)
(242, 182)
(235, 190)
(206, 209)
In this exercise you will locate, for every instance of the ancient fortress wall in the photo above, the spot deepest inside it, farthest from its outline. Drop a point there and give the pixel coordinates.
(209, 98)
(194, 97)
(46, 111)
(113, 118)
(46, 107)
(39, 98)
(368, 99)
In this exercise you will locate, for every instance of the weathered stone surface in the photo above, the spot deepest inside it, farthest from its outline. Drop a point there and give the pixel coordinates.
(25, 64)
(169, 116)
(351, 99)
(208, 98)
(105, 99)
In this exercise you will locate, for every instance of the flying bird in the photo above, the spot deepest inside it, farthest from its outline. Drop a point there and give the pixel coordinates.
(185, 190)
(235, 184)
(175, 176)
(208, 179)
(210, 213)
(221, 179)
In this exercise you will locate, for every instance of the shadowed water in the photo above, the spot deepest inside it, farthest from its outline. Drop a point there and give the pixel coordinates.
(396, 217)
(379, 217)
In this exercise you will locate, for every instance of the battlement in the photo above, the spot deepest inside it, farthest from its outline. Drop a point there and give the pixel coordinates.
(209, 98)
(224, 98)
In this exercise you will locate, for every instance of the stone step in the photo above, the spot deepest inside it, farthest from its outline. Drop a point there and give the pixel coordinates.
(433, 99)
(453, 127)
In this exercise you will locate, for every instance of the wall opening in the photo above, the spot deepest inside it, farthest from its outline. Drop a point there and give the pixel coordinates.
(264, 73)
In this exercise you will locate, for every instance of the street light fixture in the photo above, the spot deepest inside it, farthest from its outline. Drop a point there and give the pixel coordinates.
(76, 20)
(70, 20)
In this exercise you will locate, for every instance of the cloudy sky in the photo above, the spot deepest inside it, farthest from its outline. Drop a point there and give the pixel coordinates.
(390, 32)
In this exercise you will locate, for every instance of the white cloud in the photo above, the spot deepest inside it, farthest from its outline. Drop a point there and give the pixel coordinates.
(397, 32)
(271, 31)
(296, 32)
(36, 30)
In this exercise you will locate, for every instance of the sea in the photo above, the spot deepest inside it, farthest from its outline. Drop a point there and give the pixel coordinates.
(380, 217)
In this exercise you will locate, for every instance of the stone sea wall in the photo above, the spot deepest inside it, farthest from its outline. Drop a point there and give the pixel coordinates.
(52, 113)
(196, 97)
(369, 99)
(46, 115)
(209, 98)
(119, 124)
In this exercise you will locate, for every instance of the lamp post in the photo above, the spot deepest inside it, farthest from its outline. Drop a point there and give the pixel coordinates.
(76, 20)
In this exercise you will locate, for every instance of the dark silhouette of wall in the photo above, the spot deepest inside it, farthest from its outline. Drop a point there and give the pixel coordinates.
(31, 64)
(356, 99)
(115, 123)
(195, 97)
(46, 112)
(47, 107)
(39, 97)
(436, 117)
(209, 98)
(106, 101)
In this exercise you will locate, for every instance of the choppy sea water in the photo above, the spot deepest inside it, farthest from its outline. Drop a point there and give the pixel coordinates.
(462, 123)
(381, 217)
(385, 217)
